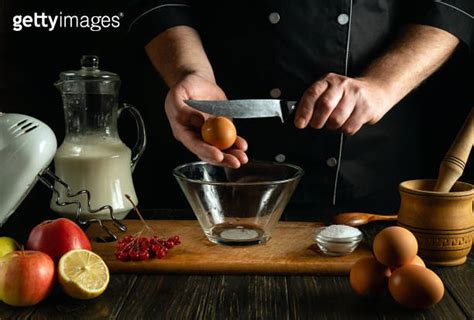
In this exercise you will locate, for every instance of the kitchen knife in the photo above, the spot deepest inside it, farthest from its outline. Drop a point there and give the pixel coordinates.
(248, 108)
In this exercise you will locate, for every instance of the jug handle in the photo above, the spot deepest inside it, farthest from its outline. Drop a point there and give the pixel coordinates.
(140, 144)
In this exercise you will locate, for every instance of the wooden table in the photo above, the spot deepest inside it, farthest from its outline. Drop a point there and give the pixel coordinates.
(131, 296)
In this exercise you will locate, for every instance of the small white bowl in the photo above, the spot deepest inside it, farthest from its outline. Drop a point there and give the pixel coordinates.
(336, 246)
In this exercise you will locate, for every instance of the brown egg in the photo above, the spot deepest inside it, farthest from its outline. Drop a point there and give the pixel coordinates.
(415, 287)
(369, 277)
(416, 261)
(219, 132)
(395, 246)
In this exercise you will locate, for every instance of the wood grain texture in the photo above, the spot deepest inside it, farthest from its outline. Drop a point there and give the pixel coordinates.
(106, 306)
(207, 297)
(252, 297)
(20, 313)
(326, 298)
(459, 281)
(168, 297)
(290, 251)
(445, 309)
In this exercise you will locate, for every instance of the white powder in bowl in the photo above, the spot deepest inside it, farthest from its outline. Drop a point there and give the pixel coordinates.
(339, 231)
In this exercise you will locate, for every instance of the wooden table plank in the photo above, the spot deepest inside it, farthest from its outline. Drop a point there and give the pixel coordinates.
(459, 281)
(207, 297)
(107, 306)
(252, 297)
(20, 313)
(447, 308)
(319, 297)
(171, 296)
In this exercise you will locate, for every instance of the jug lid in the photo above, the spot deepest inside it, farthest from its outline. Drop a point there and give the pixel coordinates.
(89, 71)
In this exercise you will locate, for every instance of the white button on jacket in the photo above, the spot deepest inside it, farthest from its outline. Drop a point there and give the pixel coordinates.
(280, 158)
(275, 93)
(331, 162)
(274, 17)
(342, 19)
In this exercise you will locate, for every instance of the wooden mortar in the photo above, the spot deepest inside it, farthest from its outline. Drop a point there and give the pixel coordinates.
(442, 222)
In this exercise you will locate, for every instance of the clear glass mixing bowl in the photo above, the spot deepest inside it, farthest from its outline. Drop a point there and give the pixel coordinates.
(238, 206)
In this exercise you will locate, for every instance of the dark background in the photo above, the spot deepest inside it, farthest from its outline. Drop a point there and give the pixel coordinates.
(31, 60)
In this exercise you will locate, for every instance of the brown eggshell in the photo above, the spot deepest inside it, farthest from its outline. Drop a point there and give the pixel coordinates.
(416, 261)
(395, 246)
(414, 286)
(369, 277)
(219, 132)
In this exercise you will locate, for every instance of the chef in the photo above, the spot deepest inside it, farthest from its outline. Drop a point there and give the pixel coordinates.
(351, 64)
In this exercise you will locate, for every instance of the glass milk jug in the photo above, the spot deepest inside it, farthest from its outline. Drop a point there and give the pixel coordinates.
(92, 157)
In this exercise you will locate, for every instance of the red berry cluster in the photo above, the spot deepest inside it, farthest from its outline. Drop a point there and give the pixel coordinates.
(142, 248)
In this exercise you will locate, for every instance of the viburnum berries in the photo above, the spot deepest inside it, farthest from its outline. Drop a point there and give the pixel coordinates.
(136, 248)
(140, 248)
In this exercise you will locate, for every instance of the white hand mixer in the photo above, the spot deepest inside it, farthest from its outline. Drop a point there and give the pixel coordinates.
(27, 147)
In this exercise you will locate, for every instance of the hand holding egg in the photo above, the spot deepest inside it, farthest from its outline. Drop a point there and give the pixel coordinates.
(186, 122)
(397, 267)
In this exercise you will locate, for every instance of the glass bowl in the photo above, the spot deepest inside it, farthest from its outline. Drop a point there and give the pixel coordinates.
(336, 246)
(238, 206)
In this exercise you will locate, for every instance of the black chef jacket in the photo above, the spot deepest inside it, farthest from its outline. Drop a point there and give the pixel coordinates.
(276, 49)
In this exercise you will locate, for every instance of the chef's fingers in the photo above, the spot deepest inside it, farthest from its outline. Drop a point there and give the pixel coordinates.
(355, 122)
(193, 141)
(304, 111)
(239, 154)
(194, 118)
(241, 143)
(325, 105)
(230, 161)
(231, 158)
(187, 116)
(342, 111)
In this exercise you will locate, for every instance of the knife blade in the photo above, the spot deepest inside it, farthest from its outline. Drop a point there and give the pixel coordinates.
(246, 108)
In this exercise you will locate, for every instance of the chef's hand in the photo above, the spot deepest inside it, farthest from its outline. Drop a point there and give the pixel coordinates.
(343, 103)
(186, 122)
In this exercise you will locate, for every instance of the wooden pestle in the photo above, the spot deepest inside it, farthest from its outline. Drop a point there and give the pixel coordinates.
(453, 164)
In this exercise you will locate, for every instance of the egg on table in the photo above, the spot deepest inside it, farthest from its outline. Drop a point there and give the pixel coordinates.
(416, 261)
(395, 246)
(415, 286)
(369, 277)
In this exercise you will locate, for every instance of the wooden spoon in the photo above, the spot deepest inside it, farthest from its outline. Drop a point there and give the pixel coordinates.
(454, 162)
(359, 218)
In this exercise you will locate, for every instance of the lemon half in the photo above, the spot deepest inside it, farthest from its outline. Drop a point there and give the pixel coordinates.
(83, 274)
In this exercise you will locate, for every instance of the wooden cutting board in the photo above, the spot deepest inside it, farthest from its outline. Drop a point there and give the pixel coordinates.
(290, 251)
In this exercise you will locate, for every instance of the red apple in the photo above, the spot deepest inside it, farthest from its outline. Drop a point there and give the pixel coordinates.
(56, 237)
(27, 277)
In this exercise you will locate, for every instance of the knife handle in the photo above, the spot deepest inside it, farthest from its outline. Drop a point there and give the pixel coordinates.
(288, 110)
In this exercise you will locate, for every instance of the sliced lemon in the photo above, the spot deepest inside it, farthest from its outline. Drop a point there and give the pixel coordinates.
(83, 274)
